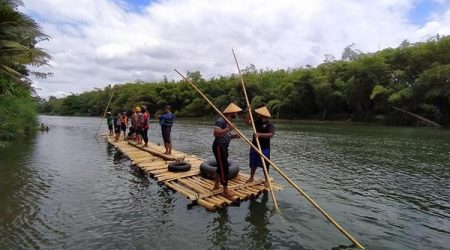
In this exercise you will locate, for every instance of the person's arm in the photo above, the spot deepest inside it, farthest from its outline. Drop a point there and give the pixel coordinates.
(266, 135)
(222, 131)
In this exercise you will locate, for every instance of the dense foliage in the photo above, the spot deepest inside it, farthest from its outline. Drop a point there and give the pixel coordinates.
(19, 35)
(360, 86)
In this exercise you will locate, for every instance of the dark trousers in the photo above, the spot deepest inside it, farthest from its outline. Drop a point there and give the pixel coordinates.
(221, 153)
(145, 135)
(165, 130)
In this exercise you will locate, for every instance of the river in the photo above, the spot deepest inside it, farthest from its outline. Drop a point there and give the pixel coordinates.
(387, 186)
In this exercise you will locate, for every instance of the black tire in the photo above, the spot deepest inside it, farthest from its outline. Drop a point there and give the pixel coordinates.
(208, 169)
(179, 166)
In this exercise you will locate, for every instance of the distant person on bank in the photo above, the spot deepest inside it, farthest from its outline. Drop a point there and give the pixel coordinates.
(145, 125)
(166, 121)
(222, 134)
(117, 125)
(109, 121)
(264, 131)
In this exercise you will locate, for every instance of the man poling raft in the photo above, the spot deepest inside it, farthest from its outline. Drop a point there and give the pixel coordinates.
(244, 138)
(264, 131)
(222, 134)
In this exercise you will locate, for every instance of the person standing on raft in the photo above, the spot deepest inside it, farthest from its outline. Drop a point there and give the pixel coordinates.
(109, 121)
(166, 121)
(264, 131)
(144, 120)
(222, 134)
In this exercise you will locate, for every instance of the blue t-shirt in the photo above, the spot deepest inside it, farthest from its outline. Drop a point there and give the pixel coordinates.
(167, 119)
(225, 139)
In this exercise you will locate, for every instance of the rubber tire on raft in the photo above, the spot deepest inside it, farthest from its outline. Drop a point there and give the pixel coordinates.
(179, 166)
(208, 169)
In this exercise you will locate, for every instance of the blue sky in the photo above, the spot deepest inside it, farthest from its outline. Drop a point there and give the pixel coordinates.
(102, 42)
(422, 10)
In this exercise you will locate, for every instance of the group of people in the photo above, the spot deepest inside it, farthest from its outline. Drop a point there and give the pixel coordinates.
(140, 124)
(223, 134)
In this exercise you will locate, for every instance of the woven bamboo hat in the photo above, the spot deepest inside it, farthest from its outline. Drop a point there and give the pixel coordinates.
(232, 108)
(138, 109)
(263, 111)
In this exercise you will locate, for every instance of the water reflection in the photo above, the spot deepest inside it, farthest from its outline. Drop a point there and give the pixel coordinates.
(221, 229)
(21, 189)
(258, 216)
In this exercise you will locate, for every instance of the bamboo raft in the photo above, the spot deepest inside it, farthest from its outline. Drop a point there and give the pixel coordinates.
(190, 183)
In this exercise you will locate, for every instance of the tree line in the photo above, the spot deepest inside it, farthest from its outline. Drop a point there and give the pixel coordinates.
(358, 86)
(19, 35)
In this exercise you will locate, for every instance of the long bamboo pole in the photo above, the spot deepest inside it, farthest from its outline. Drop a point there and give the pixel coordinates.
(266, 173)
(106, 110)
(242, 136)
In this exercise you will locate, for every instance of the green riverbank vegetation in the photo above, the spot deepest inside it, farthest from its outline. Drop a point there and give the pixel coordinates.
(19, 35)
(358, 86)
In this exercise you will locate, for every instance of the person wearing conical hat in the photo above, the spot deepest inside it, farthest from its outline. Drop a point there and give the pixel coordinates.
(223, 135)
(264, 131)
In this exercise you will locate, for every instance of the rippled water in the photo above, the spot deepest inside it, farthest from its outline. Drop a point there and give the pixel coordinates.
(387, 186)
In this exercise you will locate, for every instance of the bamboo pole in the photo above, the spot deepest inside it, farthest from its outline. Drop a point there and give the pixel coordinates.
(106, 110)
(242, 136)
(419, 117)
(266, 174)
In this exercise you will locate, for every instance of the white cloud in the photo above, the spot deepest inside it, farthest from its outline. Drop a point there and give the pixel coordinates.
(95, 43)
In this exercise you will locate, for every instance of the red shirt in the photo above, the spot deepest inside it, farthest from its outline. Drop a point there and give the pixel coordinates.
(146, 118)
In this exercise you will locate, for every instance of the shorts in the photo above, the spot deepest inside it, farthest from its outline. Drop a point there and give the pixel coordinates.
(117, 129)
(124, 127)
(110, 127)
(255, 159)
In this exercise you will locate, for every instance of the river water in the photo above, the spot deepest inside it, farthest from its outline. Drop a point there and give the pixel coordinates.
(387, 186)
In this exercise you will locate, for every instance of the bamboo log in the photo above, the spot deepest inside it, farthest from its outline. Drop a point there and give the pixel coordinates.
(170, 178)
(154, 152)
(244, 138)
(193, 186)
(227, 201)
(218, 202)
(182, 190)
(207, 205)
(419, 117)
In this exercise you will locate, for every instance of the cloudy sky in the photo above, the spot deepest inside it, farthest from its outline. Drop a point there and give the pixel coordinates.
(101, 42)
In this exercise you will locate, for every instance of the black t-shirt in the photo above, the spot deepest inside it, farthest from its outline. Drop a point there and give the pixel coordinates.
(263, 127)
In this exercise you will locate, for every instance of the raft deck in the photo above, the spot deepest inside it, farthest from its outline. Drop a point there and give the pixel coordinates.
(190, 183)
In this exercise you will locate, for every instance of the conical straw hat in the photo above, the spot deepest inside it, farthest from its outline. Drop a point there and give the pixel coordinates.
(232, 108)
(263, 111)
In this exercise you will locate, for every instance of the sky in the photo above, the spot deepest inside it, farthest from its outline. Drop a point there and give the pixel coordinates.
(97, 43)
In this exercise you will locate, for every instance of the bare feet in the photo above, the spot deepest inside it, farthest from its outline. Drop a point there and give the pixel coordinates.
(228, 194)
(216, 187)
(249, 180)
(266, 184)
